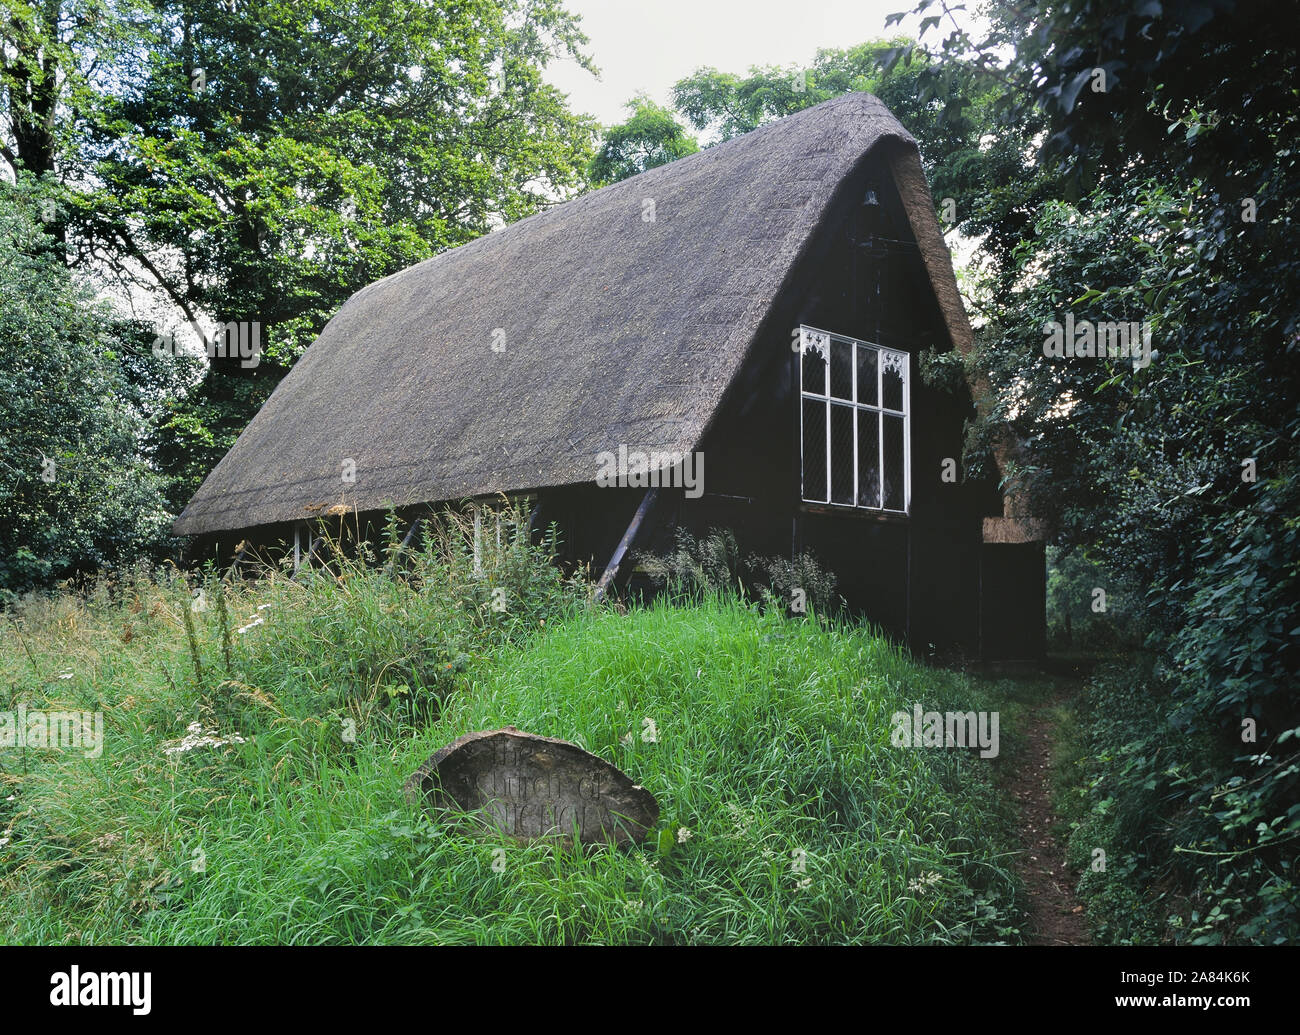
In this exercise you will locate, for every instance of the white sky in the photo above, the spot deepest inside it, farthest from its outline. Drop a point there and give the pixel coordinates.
(647, 46)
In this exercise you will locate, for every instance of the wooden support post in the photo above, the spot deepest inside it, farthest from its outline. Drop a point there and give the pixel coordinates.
(624, 544)
(406, 539)
(304, 562)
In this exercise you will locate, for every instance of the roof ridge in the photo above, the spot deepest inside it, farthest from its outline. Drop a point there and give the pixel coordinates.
(711, 151)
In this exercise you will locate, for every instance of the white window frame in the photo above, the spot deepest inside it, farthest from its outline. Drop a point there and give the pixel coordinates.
(816, 338)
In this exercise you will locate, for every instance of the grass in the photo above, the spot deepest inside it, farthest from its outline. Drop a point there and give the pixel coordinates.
(788, 816)
(1069, 759)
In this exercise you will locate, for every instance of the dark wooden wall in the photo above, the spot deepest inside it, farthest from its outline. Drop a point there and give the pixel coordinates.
(918, 576)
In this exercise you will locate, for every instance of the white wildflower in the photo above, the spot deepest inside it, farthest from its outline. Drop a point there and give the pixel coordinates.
(926, 880)
(683, 835)
(197, 737)
(740, 820)
(257, 620)
(806, 882)
(649, 732)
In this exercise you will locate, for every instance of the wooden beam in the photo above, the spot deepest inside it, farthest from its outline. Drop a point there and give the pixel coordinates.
(624, 544)
(406, 540)
(311, 553)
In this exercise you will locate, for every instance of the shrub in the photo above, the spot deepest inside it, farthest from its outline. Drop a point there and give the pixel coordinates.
(712, 564)
(381, 644)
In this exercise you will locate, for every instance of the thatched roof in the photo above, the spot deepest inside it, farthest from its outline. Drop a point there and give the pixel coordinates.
(616, 329)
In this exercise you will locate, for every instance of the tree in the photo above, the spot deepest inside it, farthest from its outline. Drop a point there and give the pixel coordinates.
(76, 493)
(1167, 144)
(651, 136)
(258, 161)
(52, 56)
(994, 185)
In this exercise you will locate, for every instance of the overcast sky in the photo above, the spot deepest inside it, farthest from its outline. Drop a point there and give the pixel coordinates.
(647, 46)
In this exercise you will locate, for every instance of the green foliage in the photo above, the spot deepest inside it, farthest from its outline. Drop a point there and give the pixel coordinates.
(56, 55)
(1129, 769)
(1247, 841)
(803, 582)
(381, 648)
(76, 493)
(1149, 472)
(728, 105)
(983, 167)
(263, 161)
(1198, 831)
(712, 564)
(318, 151)
(1074, 618)
(267, 824)
(650, 137)
(1166, 196)
(696, 567)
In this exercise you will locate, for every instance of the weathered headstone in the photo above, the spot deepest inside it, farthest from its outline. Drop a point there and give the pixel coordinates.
(531, 787)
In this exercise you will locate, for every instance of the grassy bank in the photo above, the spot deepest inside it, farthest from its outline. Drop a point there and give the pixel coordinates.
(789, 816)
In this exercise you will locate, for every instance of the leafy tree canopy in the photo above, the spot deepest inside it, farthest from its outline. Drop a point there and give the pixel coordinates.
(651, 136)
(258, 161)
(76, 492)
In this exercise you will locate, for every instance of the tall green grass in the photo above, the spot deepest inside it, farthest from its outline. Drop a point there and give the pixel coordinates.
(787, 815)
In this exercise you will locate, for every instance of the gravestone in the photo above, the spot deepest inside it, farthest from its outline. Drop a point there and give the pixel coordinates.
(532, 787)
